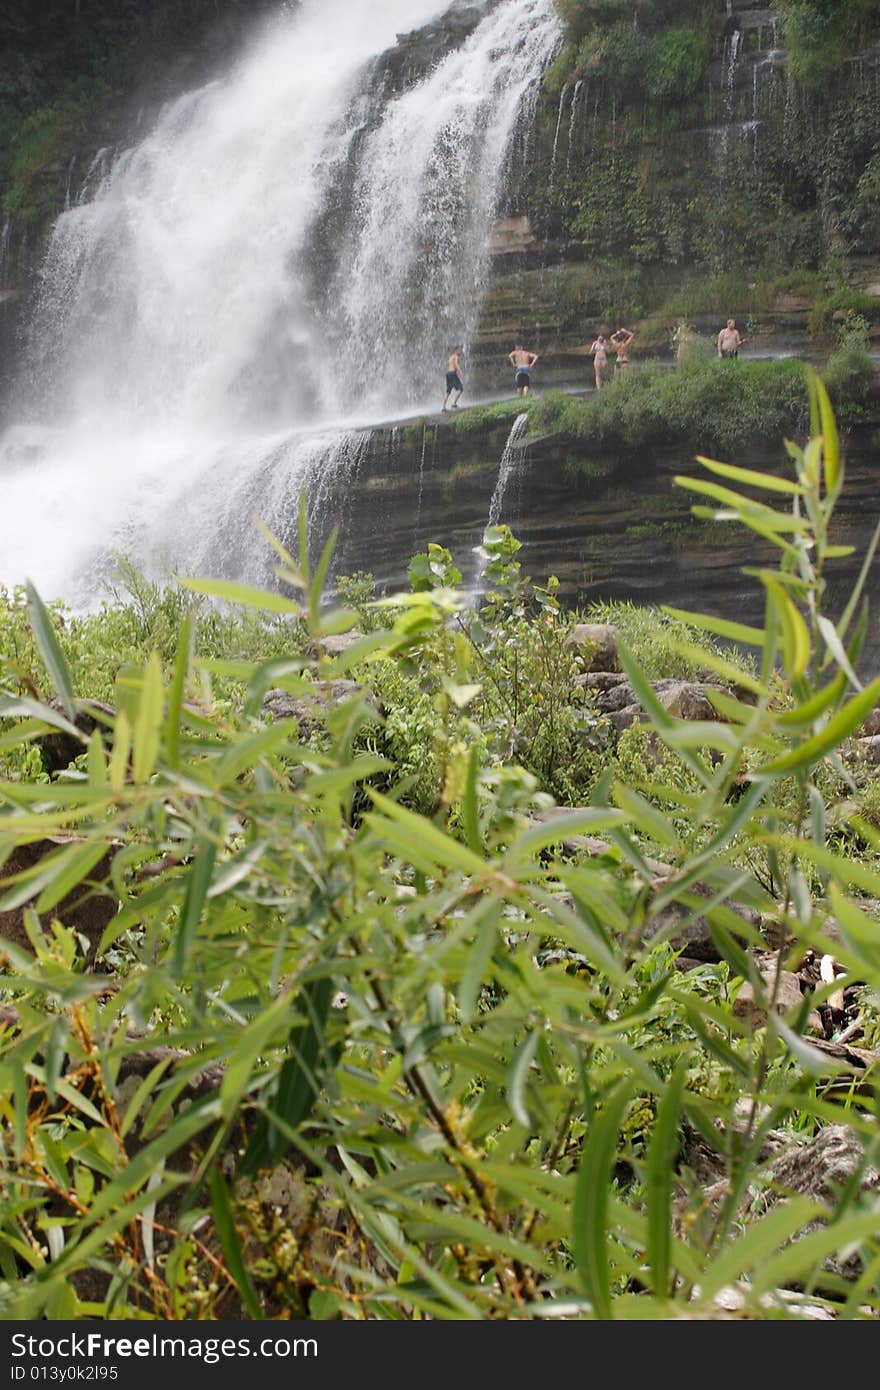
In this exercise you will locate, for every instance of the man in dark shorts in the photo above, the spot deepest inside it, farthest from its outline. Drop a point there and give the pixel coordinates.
(522, 361)
(453, 377)
(729, 340)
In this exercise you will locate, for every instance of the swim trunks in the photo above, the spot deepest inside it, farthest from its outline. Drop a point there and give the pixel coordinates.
(522, 377)
(453, 382)
(730, 352)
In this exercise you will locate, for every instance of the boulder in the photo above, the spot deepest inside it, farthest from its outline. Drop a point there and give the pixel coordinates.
(603, 681)
(788, 996)
(626, 717)
(685, 699)
(870, 748)
(616, 698)
(312, 707)
(871, 725)
(601, 636)
(338, 642)
(691, 935)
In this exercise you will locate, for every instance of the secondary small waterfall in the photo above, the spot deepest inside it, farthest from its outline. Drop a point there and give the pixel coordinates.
(510, 459)
(288, 254)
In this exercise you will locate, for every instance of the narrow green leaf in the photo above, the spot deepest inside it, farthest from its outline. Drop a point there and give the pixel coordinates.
(751, 476)
(644, 815)
(224, 1223)
(280, 551)
(660, 717)
(840, 727)
(142, 1094)
(559, 828)
(244, 594)
(97, 761)
(813, 708)
(750, 1251)
(659, 1177)
(809, 1058)
(50, 650)
(750, 512)
(590, 1213)
(830, 441)
(734, 711)
(299, 1081)
(470, 807)
(176, 693)
(317, 585)
(197, 885)
(145, 744)
(70, 868)
(836, 648)
(479, 955)
(415, 833)
(242, 755)
(119, 755)
(701, 733)
(517, 1079)
(799, 1260)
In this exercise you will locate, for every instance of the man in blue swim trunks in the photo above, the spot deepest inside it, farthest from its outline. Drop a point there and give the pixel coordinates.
(522, 362)
(453, 377)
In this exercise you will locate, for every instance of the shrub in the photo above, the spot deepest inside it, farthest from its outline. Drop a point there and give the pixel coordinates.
(346, 1061)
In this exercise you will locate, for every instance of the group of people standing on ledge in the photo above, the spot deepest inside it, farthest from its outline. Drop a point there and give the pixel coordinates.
(522, 360)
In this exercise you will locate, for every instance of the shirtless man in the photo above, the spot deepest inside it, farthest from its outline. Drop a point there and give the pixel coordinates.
(729, 340)
(599, 354)
(621, 340)
(522, 361)
(453, 378)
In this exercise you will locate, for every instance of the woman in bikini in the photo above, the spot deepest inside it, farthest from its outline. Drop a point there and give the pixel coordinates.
(599, 354)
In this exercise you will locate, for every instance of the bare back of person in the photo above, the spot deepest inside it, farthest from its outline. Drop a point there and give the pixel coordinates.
(454, 383)
(622, 340)
(522, 361)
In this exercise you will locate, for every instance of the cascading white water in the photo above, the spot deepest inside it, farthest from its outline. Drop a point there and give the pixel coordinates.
(510, 458)
(183, 373)
(408, 287)
(562, 95)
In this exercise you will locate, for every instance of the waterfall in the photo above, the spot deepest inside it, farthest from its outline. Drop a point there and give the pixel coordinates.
(730, 63)
(511, 457)
(562, 95)
(202, 344)
(571, 124)
(410, 280)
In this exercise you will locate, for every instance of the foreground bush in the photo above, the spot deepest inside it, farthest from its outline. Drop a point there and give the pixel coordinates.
(331, 1058)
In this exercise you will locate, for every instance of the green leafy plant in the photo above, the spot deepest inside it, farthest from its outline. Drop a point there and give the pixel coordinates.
(328, 1057)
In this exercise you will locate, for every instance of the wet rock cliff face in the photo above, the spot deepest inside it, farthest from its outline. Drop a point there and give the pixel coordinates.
(614, 526)
(684, 171)
(674, 173)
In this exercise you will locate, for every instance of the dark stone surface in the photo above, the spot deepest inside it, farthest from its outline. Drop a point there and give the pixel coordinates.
(88, 908)
(59, 749)
(621, 531)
